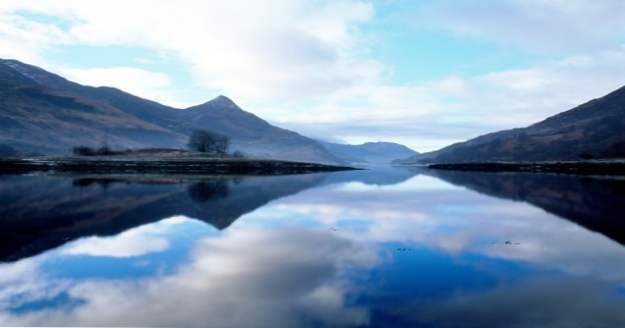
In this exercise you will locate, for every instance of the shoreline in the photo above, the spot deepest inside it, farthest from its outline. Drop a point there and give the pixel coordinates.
(571, 167)
(160, 165)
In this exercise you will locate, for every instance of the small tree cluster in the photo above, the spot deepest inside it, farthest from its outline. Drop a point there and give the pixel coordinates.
(89, 151)
(586, 155)
(208, 142)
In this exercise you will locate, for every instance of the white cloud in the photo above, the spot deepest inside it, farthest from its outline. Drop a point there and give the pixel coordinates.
(280, 49)
(147, 84)
(433, 114)
(558, 26)
(25, 39)
(553, 87)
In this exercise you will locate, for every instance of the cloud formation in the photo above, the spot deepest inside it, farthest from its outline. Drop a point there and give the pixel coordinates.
(548, 26)
(151, 85)
(280, 48)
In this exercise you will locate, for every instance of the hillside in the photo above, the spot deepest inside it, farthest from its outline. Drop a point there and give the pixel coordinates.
(592, 130)
(34, 117)
(253, 135)
(43, 112)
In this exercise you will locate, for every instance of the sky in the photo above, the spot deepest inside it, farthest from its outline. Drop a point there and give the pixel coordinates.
(422, 73)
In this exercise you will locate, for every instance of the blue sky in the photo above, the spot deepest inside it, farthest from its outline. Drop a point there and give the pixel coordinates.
(424, 73)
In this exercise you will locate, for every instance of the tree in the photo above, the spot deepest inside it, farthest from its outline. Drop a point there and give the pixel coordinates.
(88, 151)
(208, 142)
(83, 151)
(586, 155)
(202, 192)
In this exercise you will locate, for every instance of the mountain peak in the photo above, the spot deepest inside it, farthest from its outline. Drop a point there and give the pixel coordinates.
(220, 102)
(223, 101)
(222, 98)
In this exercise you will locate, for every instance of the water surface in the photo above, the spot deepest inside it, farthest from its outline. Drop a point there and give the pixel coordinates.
(388, 248)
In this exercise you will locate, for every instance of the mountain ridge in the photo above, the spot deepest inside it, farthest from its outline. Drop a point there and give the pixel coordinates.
(591, 130)
(69, 114)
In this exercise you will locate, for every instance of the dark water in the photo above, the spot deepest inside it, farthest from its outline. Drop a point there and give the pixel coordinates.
(389, 248)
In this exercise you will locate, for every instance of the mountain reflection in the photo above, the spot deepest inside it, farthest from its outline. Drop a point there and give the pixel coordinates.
(380, 249)
(204, 191)
(597, 204)
(38, 213)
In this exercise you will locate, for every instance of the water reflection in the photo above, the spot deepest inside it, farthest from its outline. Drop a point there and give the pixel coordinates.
(390, 248)
(39, 213)
(595, 203)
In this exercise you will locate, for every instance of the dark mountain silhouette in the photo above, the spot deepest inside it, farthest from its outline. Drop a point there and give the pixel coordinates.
(43, 112)
(40, 213)
(592, 130)
(369, 152)
(594, 203)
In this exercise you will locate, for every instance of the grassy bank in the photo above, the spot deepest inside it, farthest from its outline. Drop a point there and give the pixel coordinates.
(572, 167)
(161, 165)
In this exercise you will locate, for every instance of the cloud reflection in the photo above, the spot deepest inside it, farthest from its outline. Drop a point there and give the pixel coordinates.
(246, 277)
(456, 221)
(330, 256)
(133, 242)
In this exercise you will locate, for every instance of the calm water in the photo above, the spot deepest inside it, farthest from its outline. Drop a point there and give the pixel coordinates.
(373, 248)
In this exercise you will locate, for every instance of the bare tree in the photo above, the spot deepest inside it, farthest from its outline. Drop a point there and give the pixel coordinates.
(208, 142)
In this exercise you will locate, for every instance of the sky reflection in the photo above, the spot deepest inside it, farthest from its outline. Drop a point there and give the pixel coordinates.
(344, 252)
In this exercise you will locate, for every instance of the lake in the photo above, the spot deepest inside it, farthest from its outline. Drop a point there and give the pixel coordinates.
(384, 247)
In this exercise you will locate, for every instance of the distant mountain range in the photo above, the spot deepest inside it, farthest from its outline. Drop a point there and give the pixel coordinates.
(595, 129)
(41, 112)
(369, 152)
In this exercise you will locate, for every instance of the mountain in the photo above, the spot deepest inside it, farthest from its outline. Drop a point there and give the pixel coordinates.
(52, 119)
(369, 152)
(43, 112)
(592, 130)
(254, 135)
